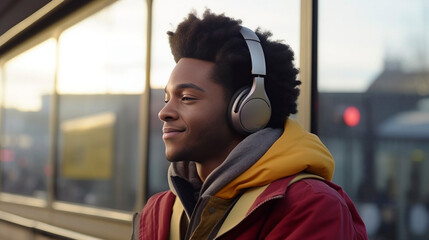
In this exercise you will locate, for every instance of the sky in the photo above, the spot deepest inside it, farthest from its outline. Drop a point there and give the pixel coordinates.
(356, 37)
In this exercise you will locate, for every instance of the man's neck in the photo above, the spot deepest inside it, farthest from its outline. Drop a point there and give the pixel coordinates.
(206, 167)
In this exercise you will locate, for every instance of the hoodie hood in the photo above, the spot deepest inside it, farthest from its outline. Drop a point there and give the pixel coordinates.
(259, 159)
(295, 151)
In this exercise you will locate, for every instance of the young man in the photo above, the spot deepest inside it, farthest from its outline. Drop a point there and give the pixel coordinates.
(240, 167)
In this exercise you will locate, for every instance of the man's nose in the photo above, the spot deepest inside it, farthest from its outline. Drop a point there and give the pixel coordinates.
(168, 112)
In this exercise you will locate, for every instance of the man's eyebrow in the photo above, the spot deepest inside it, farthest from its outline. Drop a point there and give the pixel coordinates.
(188, 85)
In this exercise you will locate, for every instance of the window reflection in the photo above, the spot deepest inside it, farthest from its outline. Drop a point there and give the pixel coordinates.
(375, 58)
(283, 22)
(24, 153)
(100, 81)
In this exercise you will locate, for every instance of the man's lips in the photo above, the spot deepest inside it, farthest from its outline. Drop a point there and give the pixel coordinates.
(169, 132)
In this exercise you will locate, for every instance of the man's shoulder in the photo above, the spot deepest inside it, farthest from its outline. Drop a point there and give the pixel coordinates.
(316, 187)
(154, 220)
(162, 199)
(329, 203)
(310, 189)
(161, 195)
(296, 184)
(315, 193)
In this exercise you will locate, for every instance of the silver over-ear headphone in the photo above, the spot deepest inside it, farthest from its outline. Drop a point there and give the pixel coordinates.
(251, 109)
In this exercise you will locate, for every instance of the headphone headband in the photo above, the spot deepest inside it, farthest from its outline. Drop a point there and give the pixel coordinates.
(256, 52)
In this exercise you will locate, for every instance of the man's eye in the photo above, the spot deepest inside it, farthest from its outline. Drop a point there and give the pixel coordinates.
(188, 98)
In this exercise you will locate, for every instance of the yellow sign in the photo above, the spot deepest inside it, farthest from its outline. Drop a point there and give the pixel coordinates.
(87, 150)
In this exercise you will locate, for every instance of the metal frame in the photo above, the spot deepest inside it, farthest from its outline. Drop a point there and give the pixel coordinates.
(308, 64)
(67, 219)
(40, 228)
(17, 29)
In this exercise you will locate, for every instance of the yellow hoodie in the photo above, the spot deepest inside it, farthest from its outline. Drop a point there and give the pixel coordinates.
(295, 151)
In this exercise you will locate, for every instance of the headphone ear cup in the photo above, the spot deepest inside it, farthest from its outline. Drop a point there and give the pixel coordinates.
(234, 107)
(249, 111)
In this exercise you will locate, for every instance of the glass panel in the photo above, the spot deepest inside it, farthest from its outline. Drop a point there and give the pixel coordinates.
(283, 22)
(100, 81)
(374, 109)
(28, 85)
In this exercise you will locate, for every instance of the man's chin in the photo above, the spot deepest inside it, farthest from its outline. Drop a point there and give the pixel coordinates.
(178, 158)
(173, 158)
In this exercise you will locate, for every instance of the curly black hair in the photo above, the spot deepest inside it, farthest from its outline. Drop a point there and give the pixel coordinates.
(217, 38)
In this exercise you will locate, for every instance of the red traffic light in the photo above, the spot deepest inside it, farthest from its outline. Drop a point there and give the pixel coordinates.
(351, 116)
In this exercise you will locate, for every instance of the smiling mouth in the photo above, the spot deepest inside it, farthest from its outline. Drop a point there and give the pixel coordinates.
(171, 132)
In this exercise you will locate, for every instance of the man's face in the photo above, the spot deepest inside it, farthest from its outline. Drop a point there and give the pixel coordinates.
(195, 114)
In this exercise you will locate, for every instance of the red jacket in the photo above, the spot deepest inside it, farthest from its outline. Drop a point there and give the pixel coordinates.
(307, 209)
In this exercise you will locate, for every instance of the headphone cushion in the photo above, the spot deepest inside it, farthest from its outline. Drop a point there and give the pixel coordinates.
(234, 107)
(238, 99)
